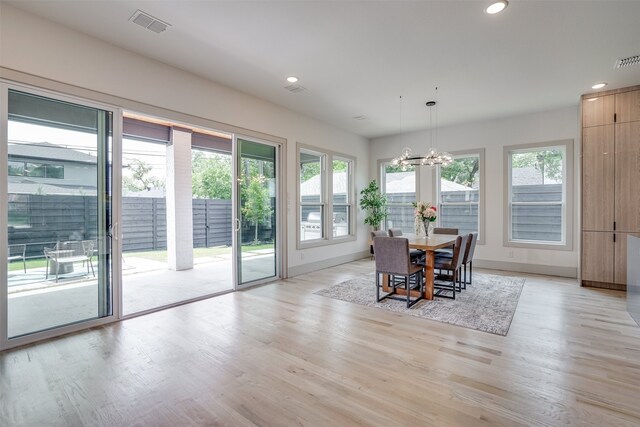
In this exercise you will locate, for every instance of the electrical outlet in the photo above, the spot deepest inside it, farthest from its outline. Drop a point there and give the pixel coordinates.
(510, 254)
(301, 256)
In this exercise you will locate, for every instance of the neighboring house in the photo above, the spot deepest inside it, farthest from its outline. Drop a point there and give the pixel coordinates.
(44, 168)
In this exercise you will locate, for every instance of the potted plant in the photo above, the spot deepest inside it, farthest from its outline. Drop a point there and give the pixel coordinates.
(375, 204)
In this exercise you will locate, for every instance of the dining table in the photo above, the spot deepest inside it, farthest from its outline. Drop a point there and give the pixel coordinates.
(429, 245)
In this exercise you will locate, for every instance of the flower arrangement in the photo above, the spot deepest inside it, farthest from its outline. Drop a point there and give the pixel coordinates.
(425, 211)
(425, 215)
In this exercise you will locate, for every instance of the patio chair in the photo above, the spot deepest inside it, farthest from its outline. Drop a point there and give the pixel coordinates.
(392, 259)
(18, 252)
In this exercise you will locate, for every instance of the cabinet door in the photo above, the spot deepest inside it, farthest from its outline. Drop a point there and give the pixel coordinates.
(598, 178)
(627, 181)
(620, 254)
(628, 106)
(598, 111)
(597, 256)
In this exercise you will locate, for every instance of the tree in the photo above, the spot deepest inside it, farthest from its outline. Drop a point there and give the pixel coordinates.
(375, 203)
(211, 176)
(461, 171)
(256, 203)
(548, 162)
(140, 179)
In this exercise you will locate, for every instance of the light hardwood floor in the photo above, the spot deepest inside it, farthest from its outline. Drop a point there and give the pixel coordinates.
(278, 355)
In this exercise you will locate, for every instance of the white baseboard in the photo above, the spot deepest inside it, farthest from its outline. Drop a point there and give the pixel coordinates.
(326, 263)
(548, 270)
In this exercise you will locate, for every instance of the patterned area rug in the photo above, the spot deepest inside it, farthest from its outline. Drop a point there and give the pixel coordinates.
(487, 305)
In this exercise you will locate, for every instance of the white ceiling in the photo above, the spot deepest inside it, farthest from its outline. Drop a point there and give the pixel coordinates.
(357, 57)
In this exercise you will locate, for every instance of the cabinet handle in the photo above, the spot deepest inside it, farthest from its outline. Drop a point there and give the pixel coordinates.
(614, 237)
(614, 226)
(615, 117)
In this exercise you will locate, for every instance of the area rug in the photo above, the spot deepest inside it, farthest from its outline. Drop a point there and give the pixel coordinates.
(487, 305)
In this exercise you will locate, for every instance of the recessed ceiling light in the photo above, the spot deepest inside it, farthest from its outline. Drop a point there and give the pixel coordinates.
(598, 85)
(496, 7)
(292, 79)
(592, 99)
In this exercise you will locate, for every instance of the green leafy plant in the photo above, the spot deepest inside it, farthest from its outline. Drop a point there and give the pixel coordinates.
(256, 203)
(375, 204)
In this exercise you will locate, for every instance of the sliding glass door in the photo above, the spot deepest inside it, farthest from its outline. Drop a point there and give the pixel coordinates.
(256, 211)
(57, 158)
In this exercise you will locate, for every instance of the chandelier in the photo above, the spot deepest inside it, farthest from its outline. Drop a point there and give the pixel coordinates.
(433, 157)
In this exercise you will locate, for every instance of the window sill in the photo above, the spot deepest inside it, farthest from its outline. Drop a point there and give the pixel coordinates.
(538, 245)
(324, 242)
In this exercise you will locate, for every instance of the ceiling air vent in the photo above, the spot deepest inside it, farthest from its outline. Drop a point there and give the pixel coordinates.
(295, 88)
(149, 22)
(626, 62)
(359, 117)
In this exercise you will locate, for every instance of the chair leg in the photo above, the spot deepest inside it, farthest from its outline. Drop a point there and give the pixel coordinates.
(377, 287)
(46, 272)
(92, 270)
(24, 265)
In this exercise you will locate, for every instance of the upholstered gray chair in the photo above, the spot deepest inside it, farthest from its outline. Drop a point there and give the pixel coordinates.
(448, 231)
(467, 258)
(445, 230)
(374, 234)
(451, 280)
(414, 253)
(392, 258)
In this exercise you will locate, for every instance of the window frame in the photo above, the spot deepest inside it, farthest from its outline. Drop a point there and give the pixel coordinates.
(480, 152)
(382, 184)
(566, 244)
(326, 197)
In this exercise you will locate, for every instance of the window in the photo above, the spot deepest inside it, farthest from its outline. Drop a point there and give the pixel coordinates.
(399, 185)
(341, 180)
(326, 201)
(35, 170)
(16, 168)
(460, 193)
(538, 193)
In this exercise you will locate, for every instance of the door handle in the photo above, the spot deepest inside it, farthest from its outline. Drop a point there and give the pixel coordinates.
(237, 224)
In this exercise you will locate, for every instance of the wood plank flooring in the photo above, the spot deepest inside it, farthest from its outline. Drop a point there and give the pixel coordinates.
(278, 355)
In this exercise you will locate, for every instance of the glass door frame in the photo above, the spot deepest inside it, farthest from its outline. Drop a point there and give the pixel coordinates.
(237, 229)
(5, 342)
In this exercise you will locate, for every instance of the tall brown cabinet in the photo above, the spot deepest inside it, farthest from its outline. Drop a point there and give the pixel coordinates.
(610, 184)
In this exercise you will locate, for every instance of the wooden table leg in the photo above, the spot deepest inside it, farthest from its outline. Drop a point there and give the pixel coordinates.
(428, 274)
(385, 283)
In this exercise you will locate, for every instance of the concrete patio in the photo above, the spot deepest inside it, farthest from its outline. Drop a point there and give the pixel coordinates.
(36, 304)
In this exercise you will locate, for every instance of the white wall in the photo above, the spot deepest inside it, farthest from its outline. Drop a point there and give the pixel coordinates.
(32, 45)
(493, 135)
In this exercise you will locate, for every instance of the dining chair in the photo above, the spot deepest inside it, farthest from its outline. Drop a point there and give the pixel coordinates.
(466, 255)
(468, 258)
(392, 259)
(414, 253)
(450, 281)
(374, 234)
(445, 230)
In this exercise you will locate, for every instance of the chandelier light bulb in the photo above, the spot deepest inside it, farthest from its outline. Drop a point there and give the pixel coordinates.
(406, 152)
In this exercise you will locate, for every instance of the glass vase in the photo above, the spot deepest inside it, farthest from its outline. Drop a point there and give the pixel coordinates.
(428, 228)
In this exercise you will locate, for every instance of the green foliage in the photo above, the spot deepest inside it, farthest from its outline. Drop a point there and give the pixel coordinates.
(211, 176)
(548, 162)
(375, 204)
(139, 180)
(256, 203)
(309, 170)
(461, 171)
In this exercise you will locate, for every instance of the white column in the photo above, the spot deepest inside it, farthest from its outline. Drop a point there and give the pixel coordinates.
(179, 201)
